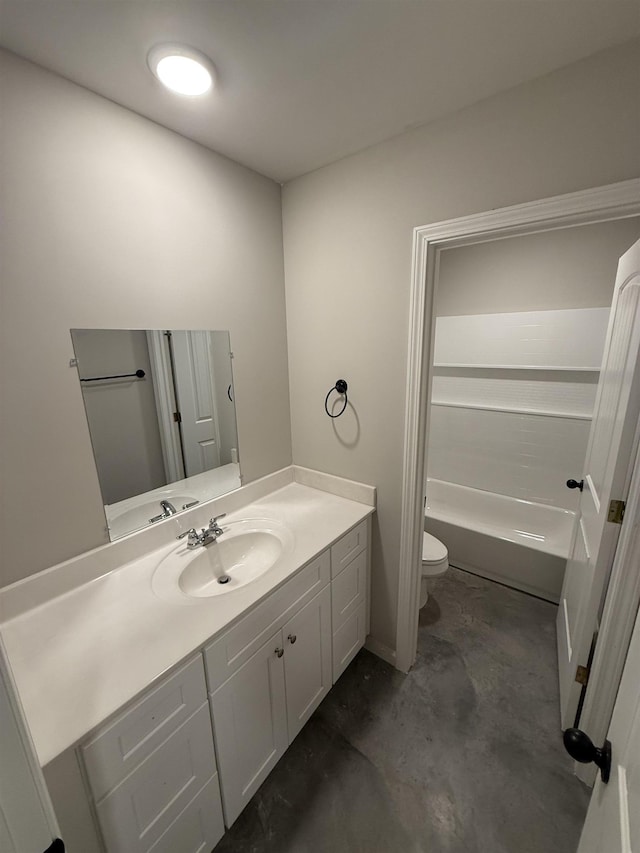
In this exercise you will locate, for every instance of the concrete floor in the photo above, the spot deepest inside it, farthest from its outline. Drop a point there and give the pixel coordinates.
(463, 755)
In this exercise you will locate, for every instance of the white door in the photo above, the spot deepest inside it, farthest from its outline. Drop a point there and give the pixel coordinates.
(196, 399)
(27, 821)
(606, 476)
(613, 819)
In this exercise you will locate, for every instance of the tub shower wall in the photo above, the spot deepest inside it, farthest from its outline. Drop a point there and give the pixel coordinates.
(511, 409)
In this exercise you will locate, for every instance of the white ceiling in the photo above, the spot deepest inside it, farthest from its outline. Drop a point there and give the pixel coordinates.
(305, 82)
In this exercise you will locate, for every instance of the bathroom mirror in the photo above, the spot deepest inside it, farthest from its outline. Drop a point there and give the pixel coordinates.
(161, 414)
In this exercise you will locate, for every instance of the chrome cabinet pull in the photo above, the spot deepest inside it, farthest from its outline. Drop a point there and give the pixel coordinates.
(279, 652)
(292, 638)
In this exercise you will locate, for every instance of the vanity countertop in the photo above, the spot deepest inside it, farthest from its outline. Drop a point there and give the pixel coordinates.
(81, 656)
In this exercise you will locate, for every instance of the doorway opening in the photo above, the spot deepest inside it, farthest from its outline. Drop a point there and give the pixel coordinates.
(600, 205)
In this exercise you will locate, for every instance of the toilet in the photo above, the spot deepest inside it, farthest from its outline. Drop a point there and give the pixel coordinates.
(435, 562)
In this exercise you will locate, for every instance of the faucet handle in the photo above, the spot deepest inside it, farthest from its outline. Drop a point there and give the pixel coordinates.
(191, 533)
(214, 520)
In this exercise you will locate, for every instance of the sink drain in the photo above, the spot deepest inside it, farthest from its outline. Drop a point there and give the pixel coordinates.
(224, 579)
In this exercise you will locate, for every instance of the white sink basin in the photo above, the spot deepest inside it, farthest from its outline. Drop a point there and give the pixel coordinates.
(140, 515)
(244, 552)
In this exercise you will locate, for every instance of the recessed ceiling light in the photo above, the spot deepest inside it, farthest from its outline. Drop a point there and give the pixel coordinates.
(182, 69)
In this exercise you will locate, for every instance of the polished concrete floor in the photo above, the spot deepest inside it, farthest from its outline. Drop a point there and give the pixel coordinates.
(463, 755)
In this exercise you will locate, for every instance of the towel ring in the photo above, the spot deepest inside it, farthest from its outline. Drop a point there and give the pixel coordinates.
(341, 388)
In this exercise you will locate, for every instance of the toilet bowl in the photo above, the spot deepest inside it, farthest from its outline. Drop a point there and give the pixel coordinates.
(435, 562)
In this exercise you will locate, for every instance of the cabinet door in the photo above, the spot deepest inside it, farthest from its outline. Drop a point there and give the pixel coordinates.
(250, 724)
(307, 660)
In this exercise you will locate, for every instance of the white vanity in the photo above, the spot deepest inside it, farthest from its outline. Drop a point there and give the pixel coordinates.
(156, 718)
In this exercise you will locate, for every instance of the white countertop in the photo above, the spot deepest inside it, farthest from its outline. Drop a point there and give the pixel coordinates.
(83, 655)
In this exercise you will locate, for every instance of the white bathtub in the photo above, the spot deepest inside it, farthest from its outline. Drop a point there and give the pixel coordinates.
(519, 543)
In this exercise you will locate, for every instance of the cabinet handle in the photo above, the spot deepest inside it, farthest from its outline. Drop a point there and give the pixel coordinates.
(279, 652)
(292, 638)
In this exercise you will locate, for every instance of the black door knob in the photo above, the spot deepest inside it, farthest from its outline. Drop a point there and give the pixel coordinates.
(574, 484)
(580, 747)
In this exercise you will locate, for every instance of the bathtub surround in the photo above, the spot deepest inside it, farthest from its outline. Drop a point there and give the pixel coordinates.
(519, 543)
(511, 408)
(474, 768)
(524, 456)
(512, 399)
(528, 340)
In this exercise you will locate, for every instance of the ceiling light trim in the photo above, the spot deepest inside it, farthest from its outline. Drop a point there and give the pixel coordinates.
(202, 75)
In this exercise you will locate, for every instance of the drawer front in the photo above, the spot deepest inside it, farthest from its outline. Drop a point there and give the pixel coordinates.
(118, 748)
(227, 654)
(348, 640)
(349, 590)
(198, 828)
(141, 809)
(345, 549)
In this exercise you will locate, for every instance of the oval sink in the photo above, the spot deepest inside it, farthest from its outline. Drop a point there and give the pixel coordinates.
(141, 514)
(244, 552)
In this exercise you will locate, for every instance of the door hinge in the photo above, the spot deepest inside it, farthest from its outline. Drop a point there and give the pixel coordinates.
(582, 675)
(177, 417)
(616, 512)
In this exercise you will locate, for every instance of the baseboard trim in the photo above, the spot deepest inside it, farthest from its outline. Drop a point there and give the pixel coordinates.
(380, 650)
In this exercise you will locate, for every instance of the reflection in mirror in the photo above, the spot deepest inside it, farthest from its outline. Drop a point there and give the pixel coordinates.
(162, 420)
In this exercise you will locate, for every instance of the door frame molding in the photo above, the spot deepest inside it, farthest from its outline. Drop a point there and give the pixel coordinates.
(587, 207)
(161, 376)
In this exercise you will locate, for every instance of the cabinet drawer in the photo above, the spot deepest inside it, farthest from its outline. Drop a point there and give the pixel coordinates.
(345, 549)
(349, 590)
(227, 654)
(348, 640)
(198, 828)
(118, 748)
(141, 809)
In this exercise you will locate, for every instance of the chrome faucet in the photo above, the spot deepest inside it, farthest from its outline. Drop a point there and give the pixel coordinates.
(206, 536)
(168, 510)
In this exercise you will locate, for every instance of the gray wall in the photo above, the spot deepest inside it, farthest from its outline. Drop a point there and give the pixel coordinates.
(571, 268)
(122, 414)
(348, 238)
(115, 222)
